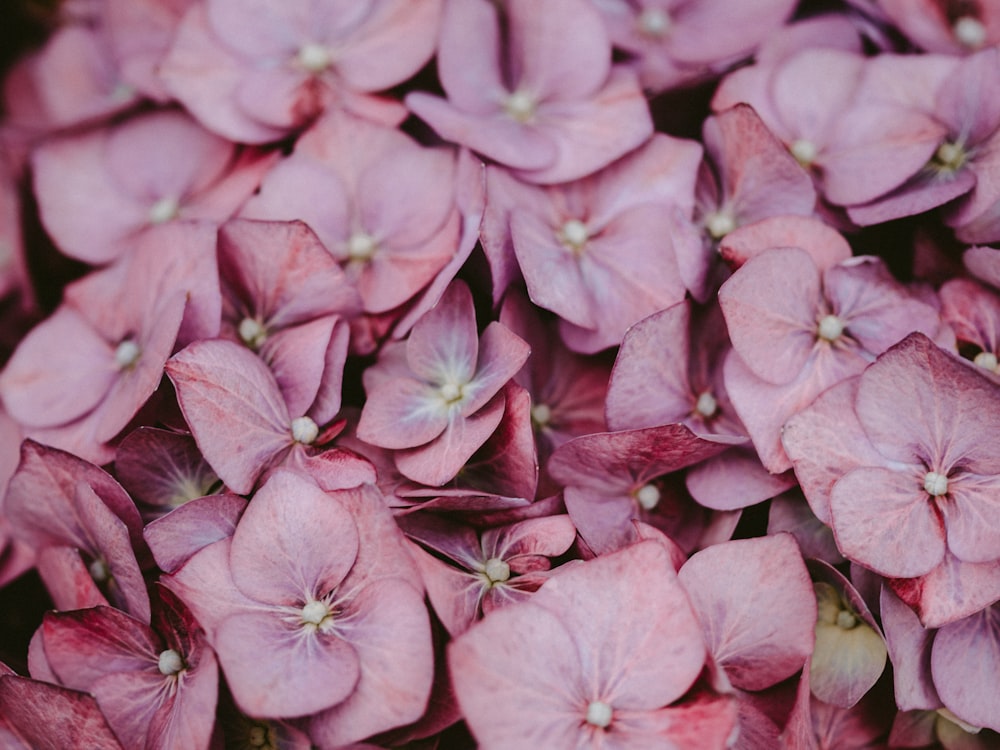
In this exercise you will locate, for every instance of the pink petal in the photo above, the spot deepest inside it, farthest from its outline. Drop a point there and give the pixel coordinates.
(758, 642)
(444, 344)
(771, 305)
(389, 629)
(277, 669)
(825, 245)
(882, 519)
(48, 716)
(965, 658)
(175, 537)
(293, 542)
(234, 408)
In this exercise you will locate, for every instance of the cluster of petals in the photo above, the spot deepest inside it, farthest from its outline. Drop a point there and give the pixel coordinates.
(500, 373)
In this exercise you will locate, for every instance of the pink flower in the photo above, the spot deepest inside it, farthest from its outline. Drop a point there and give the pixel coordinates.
(542, 99)
(599, 656)
(82, 374)
(157, 688)
(435, 396)
(313, 609)
(252, 73)
(98, 191)
(389, 211)
(926, 471)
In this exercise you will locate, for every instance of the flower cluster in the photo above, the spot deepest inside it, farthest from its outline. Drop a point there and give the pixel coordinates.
(501, 374)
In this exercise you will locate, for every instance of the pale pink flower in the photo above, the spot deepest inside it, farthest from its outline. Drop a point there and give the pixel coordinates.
(542, 97)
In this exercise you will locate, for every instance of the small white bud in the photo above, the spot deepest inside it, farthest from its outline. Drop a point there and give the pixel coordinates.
(935, 484)
(599, 714)
(804, 151)
(170, 662)
(719, 224)
(496, 570)
(304, 430)
(520, 106)
(648, 496)
(361, 246)
(830, 328)
(164, 210)
(127, 354)
(574, 233)
(314, 57)
(969, 32)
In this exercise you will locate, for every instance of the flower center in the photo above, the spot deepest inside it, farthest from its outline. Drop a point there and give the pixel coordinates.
(520, 106)
(987, 360)
(164, 210)
(846, 620)
(950, 157)
(830, 328)
(969, 32)
(541, 414)
(706, 405)
(648, 496)
(316, 615)
(496, 570)
(261, 736)
(361, 246)
(170, 662)
(654, 23)
(127, 354)
(304, 430)
(935, 484)
(573, 234)
(451, 392)
(599, 714)
(719, 224)
(99, 571)
(804, 151)
(253, 332)
(314, 57)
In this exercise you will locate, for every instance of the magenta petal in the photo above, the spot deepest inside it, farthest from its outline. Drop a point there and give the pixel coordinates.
(292, 542)
(757, 607)
(48, 716)
(882, 518)
(275, 668)
(175, 537)
(85, 645)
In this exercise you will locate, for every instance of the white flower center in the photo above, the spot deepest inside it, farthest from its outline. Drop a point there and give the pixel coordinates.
(654, 22)
(316, 615)
(451, 392)
(361, 246)
(252, 332)
(599, 714)
(719, 224)
(127, 354)
(987, 360)
(804, 151)
(648, 496)
(304, 430)
(706, 406)
(314, 57)
(520, 105)
(99, 571)
(541, 414)
(969, 32)
(164, 210)
(170, 662)
(950, 157)
(935, 484)
(830, 328)
(261, 736)
(574, 234)
(846, 620)
(496, 570)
